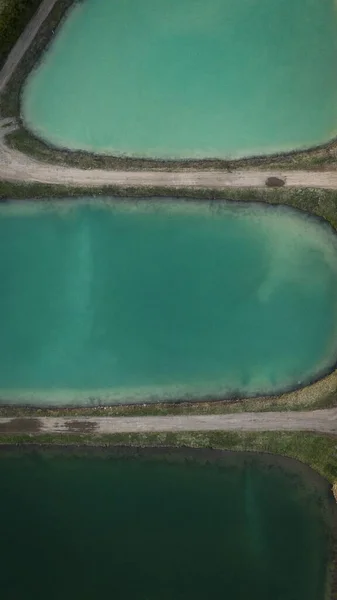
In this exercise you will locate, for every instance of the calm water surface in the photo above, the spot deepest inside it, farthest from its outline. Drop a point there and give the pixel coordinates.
(84, 528)
(188, 78)
(112, 301)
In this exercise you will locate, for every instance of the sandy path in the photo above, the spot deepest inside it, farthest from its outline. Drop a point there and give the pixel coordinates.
(16, 166)
(24, 41)
(320, 421)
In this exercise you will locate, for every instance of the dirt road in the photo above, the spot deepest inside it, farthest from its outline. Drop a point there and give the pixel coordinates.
(320, 421)
(16, 166)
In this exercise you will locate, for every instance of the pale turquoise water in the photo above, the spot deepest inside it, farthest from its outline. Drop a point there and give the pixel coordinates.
(104, 302)
(188, 78)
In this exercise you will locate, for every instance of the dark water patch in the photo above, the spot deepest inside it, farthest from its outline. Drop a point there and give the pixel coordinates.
(21, 425)
(80, 426)
(160, 524)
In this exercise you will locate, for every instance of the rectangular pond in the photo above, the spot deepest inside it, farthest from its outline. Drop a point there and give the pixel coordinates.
(109, 301)
(90, 524)
(188, 78)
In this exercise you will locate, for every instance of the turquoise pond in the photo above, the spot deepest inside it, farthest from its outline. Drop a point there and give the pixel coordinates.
(188, 78)
(109, 301)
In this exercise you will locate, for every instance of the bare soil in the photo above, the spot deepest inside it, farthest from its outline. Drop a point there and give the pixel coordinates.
(318, 421)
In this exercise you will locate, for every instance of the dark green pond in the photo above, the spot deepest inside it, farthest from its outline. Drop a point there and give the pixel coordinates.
(97, 526)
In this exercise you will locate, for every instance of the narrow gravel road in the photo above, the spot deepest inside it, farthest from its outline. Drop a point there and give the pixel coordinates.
(24, 41)
(16, 166)
(320, 421)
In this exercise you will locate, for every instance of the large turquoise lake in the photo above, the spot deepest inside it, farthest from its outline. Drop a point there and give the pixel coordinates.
(109, 301)
(188, 78)
(98, 525)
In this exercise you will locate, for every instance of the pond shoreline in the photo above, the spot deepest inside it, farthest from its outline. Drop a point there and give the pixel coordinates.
(312, 392)
(176, 454)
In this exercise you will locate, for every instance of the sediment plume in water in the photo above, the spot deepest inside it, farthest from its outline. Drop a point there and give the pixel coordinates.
(124, 301)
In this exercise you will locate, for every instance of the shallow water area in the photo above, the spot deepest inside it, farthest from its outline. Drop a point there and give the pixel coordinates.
(188, 78)
(152, 300)
(90, 524)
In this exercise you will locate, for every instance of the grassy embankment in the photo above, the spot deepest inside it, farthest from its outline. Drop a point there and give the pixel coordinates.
(323, 157)
(319, 202)
(14, 15)
(318, 451)
(320, 159)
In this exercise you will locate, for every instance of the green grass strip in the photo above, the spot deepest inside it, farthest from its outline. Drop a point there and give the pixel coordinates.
(317, 451)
